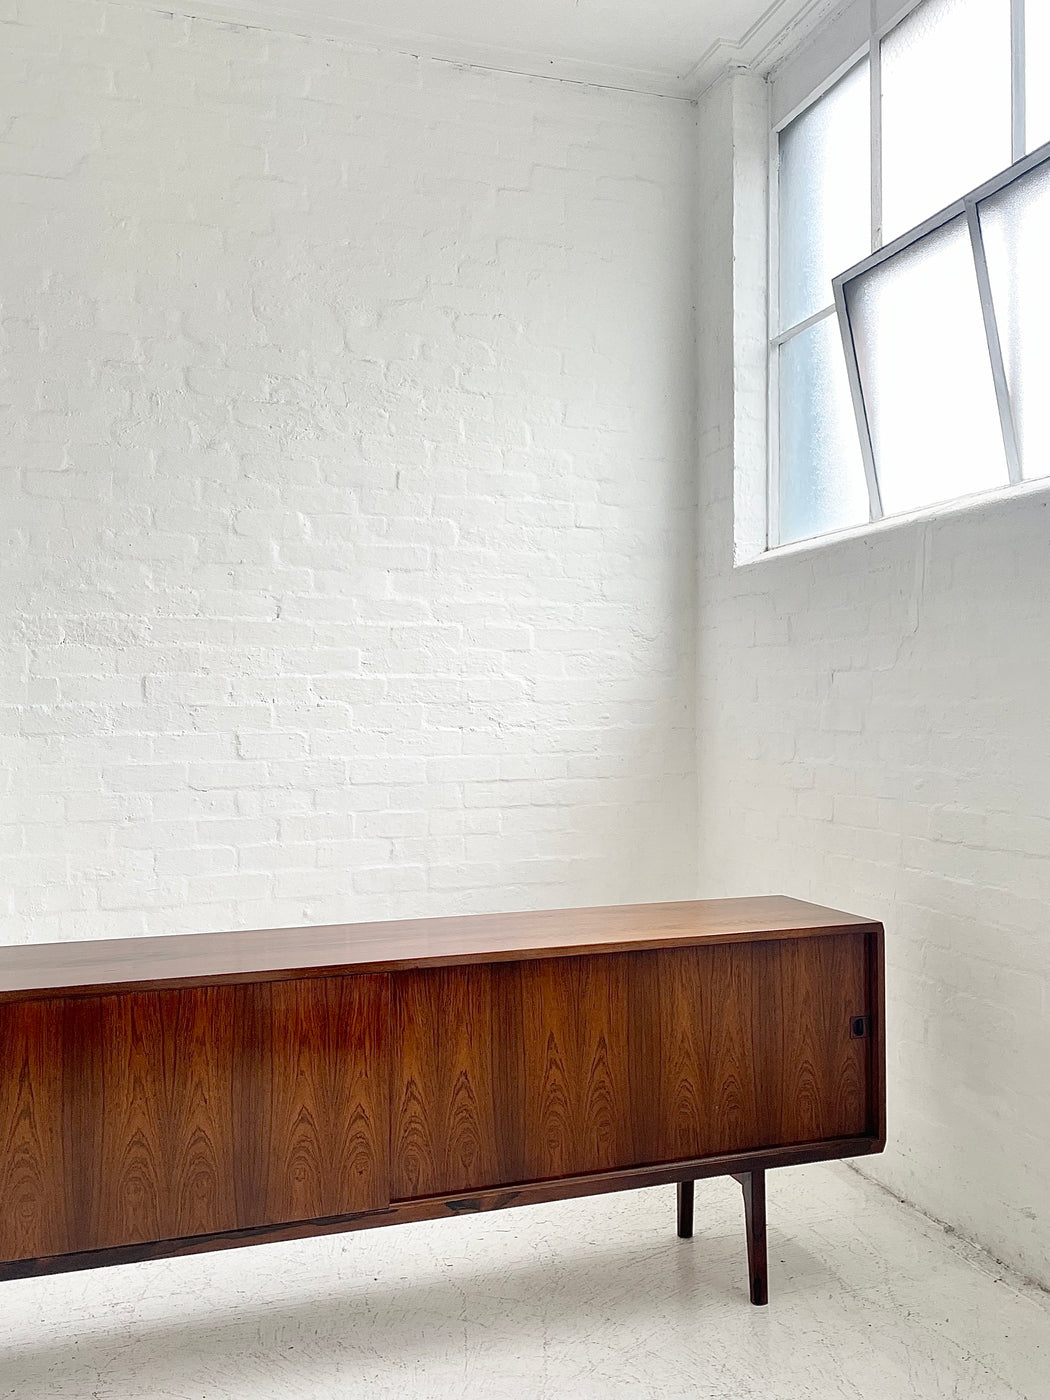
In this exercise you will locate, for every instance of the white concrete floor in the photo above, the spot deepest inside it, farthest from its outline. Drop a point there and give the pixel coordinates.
(593, 1299)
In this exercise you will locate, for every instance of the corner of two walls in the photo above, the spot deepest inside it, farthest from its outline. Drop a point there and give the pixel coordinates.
(347, 483)
(350, 568)
(872, 734)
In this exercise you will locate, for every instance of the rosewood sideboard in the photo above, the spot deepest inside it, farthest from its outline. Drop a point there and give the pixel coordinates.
(161, 1096)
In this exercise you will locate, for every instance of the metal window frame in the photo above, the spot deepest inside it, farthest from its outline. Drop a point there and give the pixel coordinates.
(773, 310)
(772, 353)
(879, 24)
(1018, 82)
(967, 207)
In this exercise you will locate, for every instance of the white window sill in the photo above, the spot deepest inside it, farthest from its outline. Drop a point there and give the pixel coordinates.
(962, 506)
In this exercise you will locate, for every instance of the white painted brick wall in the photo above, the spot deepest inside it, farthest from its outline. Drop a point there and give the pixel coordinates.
(347, 487)
(873, 722)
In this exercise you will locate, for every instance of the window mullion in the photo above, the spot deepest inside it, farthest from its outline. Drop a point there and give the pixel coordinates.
(773, 355)
(860, 411)
(1018, 78)
(773, 479)
(995, 349)
(799, 327)
(875, 85)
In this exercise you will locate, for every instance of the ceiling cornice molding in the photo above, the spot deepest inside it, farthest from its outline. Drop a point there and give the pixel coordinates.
(765, 42)
(774, 34)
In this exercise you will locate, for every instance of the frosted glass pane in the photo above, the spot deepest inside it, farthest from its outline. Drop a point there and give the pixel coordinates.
(926, 374)
(825, 195)
(1037, 77)
(945, 106)
(822, 483)
(1016, 226)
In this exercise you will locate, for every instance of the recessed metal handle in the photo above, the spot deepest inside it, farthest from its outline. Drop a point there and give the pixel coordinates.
(858, 1027)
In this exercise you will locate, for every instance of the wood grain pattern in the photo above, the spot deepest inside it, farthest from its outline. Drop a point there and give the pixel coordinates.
(447, 1039)
(312, 1098)
(148, 1121)
(201, 1148)
(703, 1011)
(130, 1103)
(109, 965)
(123, 1126)
(149, 1130)
(448, 1206)
(821, 1072)
(159, 1115)
(33, 1208)
(576, 1040)
(581, 1065)
(755, 1046)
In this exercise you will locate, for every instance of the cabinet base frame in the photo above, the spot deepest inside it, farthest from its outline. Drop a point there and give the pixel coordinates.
(747, 1165)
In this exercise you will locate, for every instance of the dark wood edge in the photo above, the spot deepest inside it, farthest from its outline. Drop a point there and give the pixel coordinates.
(435, 1207)
(877, 1048)
(628, 945)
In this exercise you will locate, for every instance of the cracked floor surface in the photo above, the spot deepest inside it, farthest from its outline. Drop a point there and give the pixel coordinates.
(594, 1299)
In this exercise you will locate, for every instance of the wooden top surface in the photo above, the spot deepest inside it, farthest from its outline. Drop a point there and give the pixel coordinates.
(262, 955)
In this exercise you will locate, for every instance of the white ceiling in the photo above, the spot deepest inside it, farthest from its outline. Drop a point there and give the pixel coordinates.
(674, 47)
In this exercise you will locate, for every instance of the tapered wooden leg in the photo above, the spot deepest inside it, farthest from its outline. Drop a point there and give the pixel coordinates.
(754, 1184)
(685, 1210)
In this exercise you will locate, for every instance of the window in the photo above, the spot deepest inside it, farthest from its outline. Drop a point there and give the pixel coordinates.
(910, 319)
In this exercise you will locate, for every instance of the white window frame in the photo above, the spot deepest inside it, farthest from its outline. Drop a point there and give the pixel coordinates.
(856, 34)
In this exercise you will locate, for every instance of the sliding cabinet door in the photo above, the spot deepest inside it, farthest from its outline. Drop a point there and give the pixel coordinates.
(559, 1067)
(148, 1116)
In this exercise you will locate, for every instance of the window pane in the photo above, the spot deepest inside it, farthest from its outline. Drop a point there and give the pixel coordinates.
(945, 106)
(926, 375)
(822, 483)
(825, 196)
(1016, 226)
(1037, 64)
